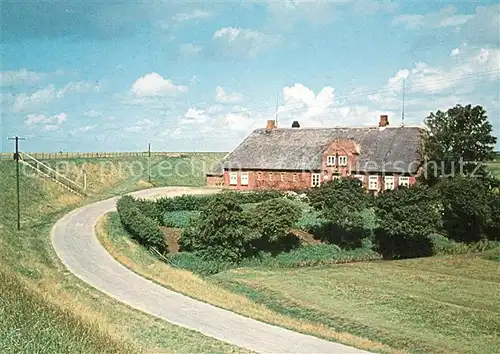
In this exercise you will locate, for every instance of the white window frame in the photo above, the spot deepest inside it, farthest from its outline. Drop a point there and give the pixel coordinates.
(389, 183)
(259, 176)
(404, 181)
(271, 176)
(330, 160)
(294, 177)
(282, 176)
(233, 178)
(244, 178)
(315, 179)
(342, 161)
(373, 182)
(334, 177)
(361, 178)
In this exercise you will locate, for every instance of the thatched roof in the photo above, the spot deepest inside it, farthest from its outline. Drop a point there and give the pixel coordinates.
(391, 149)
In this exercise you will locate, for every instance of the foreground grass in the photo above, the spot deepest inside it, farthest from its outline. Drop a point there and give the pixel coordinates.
(118, 243)
(37, 292)
(428, 305)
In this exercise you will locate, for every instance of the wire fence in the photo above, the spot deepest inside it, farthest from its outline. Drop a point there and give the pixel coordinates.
(92, 155)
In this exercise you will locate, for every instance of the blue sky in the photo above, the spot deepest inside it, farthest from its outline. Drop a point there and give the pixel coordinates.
(200, 76)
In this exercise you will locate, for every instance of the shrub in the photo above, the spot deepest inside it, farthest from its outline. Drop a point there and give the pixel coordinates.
(310, 221)
(144, 229)
(341, 202)
(493, 229)
(406, 216)
(466, 209)
(150, 209)
(444, 246)
(221, 233)
(180, 218)
(274, 218)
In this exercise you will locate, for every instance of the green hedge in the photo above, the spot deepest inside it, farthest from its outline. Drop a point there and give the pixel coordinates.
(179, 218)
(309, 255)
(442, 245)
(143, 228)
(197, 202)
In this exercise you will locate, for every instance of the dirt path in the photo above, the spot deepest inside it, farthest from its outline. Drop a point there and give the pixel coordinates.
(75, 242)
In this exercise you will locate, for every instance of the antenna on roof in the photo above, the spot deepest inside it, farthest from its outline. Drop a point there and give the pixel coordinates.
(403, 108)
(277, 105)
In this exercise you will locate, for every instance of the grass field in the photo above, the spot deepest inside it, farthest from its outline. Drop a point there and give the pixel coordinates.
(427, 305)
(37, 292)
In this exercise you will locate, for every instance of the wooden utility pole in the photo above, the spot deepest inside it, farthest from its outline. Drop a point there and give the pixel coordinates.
(149, 162)
(16, 157)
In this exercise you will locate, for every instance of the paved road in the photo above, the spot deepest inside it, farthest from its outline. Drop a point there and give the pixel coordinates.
(76, 245)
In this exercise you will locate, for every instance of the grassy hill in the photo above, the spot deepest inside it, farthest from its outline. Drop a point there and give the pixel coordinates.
(44, 308)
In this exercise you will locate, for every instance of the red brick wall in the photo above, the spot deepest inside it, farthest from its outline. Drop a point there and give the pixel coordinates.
(215, 181)
(338, 148)
(303, 180)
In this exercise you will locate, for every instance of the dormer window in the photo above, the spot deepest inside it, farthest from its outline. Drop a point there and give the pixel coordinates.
(330, 160)
(342, 160)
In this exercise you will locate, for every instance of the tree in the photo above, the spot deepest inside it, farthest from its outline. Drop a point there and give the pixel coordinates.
(338, 199)
(221, 232)
(467, 204)
(272, 220)
(462, 133)
(407, 216)
(344, 202)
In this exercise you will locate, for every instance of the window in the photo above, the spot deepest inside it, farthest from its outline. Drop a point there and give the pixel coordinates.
(373, 183)
(315, 180)
(233, 178)
(388, 182)
(271, 175)
(259, 176)
(294, 177)
(244, 178)
(282, 177)
(342, 160)
(360, 177)
(404, 181)
(330, 160)
(334, 177)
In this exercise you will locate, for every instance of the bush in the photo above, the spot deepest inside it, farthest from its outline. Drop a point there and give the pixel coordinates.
(310, 221)
(274, 218)
(493, 229)
(180, 218)
(142, 228)
(221, 233)
(466, 209)
(444, 246)
(407, 216)
(341, 202)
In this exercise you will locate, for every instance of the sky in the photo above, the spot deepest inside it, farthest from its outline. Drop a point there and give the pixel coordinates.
(201, 75)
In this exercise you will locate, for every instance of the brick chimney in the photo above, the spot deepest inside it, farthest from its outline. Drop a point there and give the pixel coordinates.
(384, 121)
(271, 124)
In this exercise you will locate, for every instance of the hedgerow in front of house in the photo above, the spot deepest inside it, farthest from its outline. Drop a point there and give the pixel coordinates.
(142, 228)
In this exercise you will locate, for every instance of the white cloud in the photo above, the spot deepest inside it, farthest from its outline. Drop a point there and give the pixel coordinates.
(446, 17)
(246, 43)
(476, 63)
(225, 97)
(20, 77)
(194, 116)
(189, 49)
(84, 129)
(454, 52)
(193, 15)
(34, 119)
(92, 114)
(154, 85)
(28, 101)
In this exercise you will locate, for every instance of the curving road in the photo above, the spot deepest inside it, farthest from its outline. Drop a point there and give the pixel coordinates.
(75, 242)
